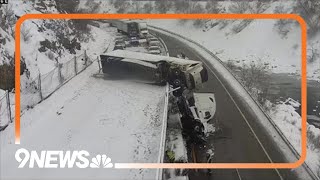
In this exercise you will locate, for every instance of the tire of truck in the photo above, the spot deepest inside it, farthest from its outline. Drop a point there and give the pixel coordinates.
(198, 127)
(199, 136)
(163, 68)
(176, 72)
(177, 83)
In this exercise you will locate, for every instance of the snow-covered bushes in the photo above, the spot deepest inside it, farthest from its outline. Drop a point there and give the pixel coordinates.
(213, 7)
(91, 7)
(289, 121)
(282, 26)
(67, 6)
(258, 7)
(25, 32)
(147, 7)
(7, 22)
(313, 53)
(309, 10)
(197, 9)
(163, 6)
(66, 38)
(256, 79)
(8, 19)
(239, 7)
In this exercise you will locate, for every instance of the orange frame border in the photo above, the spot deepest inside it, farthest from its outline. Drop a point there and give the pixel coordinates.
(181, 16)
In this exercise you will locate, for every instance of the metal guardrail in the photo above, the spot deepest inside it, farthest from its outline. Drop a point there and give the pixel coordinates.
(159, 175)
(294, 151)
(165, 46)
(163, 133)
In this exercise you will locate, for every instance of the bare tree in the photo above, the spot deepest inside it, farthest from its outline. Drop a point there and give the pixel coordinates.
(147, 7)
(8, 19)
(239, 7)
(213, 6)
(163, 6)
(91, 7)
(136, 6)
(283, 26)
(25, 32)
(255, 78)
(123, 6)
(197, 8)
(182, 6)
(310, 11)
(258, 7)
(313, 54)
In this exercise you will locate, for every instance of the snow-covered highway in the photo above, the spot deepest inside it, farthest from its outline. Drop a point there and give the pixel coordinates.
(242, 139)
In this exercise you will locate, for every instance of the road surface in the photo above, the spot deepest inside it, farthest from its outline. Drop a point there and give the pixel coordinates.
(241, 139)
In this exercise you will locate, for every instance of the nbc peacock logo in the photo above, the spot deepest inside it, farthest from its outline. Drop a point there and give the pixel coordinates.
(101, 161)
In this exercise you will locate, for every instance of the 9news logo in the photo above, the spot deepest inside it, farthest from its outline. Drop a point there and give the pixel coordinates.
(61, 159)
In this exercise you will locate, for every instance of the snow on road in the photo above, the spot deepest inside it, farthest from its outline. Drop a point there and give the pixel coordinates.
(119, 118)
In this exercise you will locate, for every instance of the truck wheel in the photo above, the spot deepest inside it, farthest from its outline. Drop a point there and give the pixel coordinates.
(163, 67)
(177, 83)
(176, 72)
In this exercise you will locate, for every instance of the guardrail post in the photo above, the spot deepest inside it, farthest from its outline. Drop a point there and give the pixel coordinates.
(59, 73)
(98, 60)
(75, 65)
(39, 86)
(8, 106)
(85, 58)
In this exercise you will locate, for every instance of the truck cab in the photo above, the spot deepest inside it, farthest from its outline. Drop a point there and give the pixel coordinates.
(143, 29)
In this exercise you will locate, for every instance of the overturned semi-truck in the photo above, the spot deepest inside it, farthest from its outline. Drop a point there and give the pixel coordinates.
(155, 68)
(183, 75)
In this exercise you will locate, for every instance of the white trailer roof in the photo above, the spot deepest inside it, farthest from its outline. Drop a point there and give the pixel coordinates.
(149, 57)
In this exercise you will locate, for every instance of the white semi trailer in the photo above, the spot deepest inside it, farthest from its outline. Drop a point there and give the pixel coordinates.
(127, 27)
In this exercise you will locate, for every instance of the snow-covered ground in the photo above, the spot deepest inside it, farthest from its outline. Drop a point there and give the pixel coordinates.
(119, 118)
(258, 41)
(289, 121)
(2, 93)
(34, 31)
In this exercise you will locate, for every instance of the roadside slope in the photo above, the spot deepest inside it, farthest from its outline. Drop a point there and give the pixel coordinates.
(117, 117)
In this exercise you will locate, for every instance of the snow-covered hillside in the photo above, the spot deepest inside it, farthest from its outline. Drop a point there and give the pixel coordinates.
(258, 41)
(44, 43)
(289, 121)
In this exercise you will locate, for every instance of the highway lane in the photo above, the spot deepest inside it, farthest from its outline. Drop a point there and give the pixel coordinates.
(241, 138)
